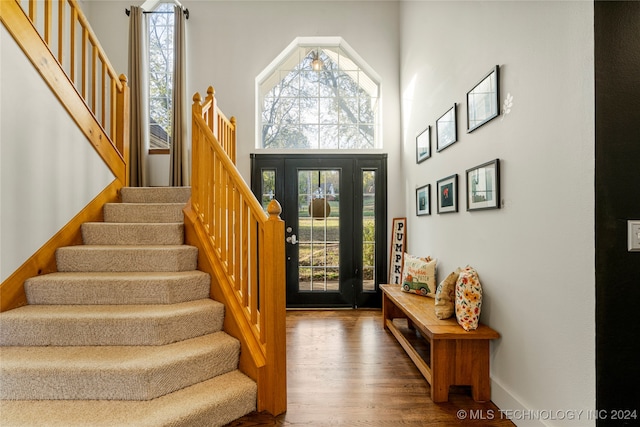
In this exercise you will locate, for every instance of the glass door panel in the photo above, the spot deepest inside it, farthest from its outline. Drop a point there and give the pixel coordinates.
(368, 230)
(319, 230)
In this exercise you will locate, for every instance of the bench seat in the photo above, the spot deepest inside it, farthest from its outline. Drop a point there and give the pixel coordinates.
(456, 357)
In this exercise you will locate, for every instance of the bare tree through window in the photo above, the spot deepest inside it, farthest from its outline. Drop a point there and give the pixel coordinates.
(330, 106)
(161, 23)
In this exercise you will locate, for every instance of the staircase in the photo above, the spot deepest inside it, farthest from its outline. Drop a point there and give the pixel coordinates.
(124, 334)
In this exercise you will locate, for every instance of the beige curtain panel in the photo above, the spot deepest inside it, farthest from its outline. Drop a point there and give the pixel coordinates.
(138, 69)
(179, 171)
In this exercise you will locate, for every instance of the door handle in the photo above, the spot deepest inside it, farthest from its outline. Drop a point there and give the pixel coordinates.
(292, 239)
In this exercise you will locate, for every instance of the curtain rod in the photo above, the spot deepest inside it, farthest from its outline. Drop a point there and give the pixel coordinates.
(186, 12)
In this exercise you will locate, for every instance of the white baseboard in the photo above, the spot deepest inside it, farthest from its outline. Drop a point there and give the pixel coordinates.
(511, 408)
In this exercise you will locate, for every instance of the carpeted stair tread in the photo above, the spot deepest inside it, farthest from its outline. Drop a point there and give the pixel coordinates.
(114, 372)
(212, 403)
(114, 258)
(155, 194)
(115, 233)
(82, 288)
(125, 333)
(63, 325)
(143, 212)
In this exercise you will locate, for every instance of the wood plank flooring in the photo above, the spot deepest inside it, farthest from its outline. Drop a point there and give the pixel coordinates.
(344, 369)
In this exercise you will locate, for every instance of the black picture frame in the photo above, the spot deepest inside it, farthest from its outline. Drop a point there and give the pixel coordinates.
(483, 100)
(423, 200)
(447, 189)
(483, 186)
(423, 145)
(447, 129)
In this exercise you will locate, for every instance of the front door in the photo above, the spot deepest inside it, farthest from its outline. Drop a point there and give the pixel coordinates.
(335, 215)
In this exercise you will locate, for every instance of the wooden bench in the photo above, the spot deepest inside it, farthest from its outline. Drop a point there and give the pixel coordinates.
(456, 357)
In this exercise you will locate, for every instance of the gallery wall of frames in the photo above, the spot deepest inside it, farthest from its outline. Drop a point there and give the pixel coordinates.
(481, 182)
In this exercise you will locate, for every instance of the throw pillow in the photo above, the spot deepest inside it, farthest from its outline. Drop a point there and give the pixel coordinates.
(419, 275)
(446, 296)
(468, 299)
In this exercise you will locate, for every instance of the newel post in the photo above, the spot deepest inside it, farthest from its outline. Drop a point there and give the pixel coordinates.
(272, 387)
(233, 143)
(122, 137)
(196, 112)
(212, 114)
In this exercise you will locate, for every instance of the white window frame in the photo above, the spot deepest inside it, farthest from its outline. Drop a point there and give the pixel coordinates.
(314, 42)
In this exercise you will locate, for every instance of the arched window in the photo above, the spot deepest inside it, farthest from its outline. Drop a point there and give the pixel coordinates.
(318, 95)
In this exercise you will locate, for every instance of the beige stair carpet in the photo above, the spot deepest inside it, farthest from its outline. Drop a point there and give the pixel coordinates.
(125, 333)
(212, 403)
(118, 288)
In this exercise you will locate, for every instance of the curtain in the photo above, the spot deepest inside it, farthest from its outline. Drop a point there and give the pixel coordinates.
(138, 82)
(179, 173)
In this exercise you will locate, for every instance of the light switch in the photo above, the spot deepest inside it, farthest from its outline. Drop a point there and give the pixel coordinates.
(634, 235)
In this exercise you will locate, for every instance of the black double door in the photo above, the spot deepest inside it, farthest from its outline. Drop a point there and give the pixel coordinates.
(334, 208)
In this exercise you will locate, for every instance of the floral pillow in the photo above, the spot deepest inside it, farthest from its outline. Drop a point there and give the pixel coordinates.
(468, 299)
(445, 296)
(419, 275)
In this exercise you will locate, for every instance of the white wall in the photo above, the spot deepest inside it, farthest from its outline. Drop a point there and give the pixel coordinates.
(231, 42)
(535, 256)
(48, 170)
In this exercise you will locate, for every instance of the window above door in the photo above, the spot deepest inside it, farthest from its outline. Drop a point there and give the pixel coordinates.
(318, 94)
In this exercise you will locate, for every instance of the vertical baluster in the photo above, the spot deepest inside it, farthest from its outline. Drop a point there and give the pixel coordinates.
(214, 198)
(72, 44)
(112, 108)
(94, 75)
(244, 274)
(252, 288)
(83, 66)
(47, 22)
(206, 185)
(237, 209)
(60, 30)
(218, 201)
(33, 5)
(103, 95)
(224, 216)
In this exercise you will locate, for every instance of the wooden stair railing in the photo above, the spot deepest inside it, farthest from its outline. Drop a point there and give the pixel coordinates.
(224, 129)
(77, 70)
(96, 98)
(243, 249)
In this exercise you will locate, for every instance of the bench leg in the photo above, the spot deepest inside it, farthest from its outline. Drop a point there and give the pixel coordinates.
(443, 354)
(460, 362)
(480, 380)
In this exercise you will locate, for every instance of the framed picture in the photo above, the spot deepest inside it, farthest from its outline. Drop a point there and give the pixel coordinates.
(483, 186)
(483, 100)
(423, 200)
(448, 194)
(398, 247)
(446, 129)
(423, 145)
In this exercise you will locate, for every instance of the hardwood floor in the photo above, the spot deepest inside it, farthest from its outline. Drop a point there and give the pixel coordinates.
(344, 369)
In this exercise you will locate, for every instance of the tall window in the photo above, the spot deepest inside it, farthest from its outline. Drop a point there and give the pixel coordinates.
(161, 23)
(318, 97)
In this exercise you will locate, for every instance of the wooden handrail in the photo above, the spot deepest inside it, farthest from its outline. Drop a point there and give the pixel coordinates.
(246, 248)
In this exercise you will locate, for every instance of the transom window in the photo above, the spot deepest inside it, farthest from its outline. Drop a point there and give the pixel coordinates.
(318, 97)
